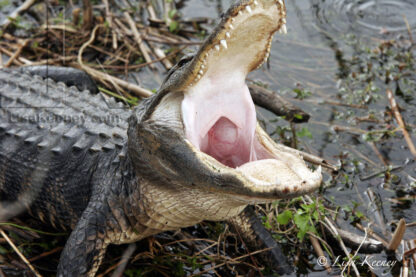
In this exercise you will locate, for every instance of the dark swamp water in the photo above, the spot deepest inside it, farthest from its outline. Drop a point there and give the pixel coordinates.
(332, 58)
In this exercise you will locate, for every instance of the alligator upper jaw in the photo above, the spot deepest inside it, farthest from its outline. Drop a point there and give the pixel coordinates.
(219, 115)
(241, 42)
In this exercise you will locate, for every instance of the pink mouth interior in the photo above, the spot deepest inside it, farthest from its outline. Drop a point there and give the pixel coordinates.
(222, 122)
(224, 143)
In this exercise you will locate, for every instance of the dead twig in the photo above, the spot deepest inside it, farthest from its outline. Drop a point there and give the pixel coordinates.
(372, 234)
(109, 19)
(310, 158)
(405, 268)
(337, 236)
(378, 153)
(100, 75)
(345, 105)
(359, 242)
(409, 30)
(121, 265)
(17, 53)
(143, 47)
(34, 271)
(87, 14)
(45, 254)
(397, 236)
(318, 250)
(230, 260)
(19, 60)
(137, 66)
(375, 204)
(400, 121)
(162, 57)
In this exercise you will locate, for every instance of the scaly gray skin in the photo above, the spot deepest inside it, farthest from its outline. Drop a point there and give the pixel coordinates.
(136, 174)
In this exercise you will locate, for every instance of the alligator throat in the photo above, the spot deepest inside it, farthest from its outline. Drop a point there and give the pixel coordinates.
(221, 119)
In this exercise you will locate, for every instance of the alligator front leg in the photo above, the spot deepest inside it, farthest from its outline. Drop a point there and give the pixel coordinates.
(86, 246)
(252, 231)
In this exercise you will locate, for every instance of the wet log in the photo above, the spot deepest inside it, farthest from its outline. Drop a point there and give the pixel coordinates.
(276, 104)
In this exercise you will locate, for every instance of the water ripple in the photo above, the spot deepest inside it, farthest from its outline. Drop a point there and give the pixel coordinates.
(365, 17)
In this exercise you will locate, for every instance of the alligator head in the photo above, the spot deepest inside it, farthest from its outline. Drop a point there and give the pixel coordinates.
(200, 131)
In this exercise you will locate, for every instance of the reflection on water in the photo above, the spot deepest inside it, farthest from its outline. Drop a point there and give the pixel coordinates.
(322, 36)
(367, 17)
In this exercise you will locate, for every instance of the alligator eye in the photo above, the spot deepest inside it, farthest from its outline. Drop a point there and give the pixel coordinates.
(185, 60)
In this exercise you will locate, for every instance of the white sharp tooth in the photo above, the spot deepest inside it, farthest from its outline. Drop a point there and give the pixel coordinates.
(217, 47)
(317, 175)
(202, 66)
(319, 170)
(248, 8)
(227, 34)
(201, 72)
(284, 20)
(231, 26)
(284, 30)
(223, 43)
(256, 3)
(280, 2)
(198, 76)
(240, 12)
(232, 20)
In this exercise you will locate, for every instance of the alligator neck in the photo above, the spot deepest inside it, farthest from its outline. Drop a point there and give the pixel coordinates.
(170, 206)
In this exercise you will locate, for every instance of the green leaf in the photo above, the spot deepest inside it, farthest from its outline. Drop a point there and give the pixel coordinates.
(173, 26)
(301, 93)
(266, 222)
(298, 116)
(285, 217)
(302, 222)
(4, 3)
(304, 132)
(347, 208)
(172, 13)
(359, 214)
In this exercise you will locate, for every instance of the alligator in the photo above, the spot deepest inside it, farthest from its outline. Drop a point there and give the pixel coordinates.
(192, 152)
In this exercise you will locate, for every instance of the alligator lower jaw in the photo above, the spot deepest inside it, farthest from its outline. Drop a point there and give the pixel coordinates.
(275, 172)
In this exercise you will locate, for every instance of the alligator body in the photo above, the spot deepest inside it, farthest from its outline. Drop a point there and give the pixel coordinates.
(112, 175)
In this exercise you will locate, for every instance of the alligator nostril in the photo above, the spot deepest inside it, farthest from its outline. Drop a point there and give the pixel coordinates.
(303, 183)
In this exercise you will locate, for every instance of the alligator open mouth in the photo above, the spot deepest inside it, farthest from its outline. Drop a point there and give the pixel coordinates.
(217, 111)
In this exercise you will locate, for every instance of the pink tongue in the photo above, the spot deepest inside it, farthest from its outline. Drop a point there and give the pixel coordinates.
(223, 141)
(223, 135)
